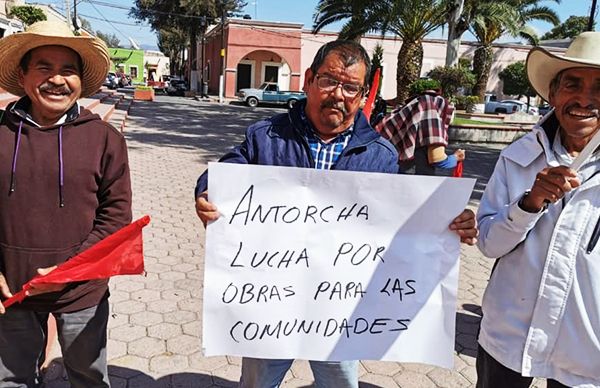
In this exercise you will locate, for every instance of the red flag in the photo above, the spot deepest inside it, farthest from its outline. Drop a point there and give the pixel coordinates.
(121, 253)
(458, 170)
(373, 92)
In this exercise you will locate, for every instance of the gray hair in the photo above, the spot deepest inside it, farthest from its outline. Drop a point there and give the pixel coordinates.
(349, 51)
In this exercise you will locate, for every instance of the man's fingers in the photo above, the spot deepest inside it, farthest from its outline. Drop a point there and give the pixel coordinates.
(45, 271)
(4, 287)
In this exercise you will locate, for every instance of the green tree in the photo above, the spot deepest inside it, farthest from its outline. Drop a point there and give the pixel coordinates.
(111, 40)
(172, 42)
(193, 16)
(571, 27)
(86, 25)
(515, 81)
(28, 14)
(451, 78)
(410, 20)
(496, 18)
(376, 62)
(363, 16)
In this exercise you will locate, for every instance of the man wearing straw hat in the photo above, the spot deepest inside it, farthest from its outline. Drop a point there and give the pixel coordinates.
(64, 185)
(540, 217)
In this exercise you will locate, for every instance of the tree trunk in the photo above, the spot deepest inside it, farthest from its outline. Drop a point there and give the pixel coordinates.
(482, 64)
(410, 60)
(453, 34)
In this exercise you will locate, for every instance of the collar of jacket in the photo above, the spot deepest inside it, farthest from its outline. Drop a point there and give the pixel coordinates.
(21, 108)
(362, 132)
(538, 142)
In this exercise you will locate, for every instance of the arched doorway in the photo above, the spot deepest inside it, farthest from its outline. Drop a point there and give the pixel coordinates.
(262, 66)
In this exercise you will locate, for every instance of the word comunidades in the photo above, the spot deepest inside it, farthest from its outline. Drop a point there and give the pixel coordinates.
(252, 331)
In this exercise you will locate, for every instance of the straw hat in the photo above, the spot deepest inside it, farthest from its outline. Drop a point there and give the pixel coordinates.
(93, 53)
(543, 66)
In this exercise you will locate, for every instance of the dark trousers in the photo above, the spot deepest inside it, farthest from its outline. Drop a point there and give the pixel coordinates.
(492, 374)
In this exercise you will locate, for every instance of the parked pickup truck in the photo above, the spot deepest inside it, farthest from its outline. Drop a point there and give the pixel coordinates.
(269, 92)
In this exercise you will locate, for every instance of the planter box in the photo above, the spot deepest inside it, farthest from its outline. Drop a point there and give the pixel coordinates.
(143, 95)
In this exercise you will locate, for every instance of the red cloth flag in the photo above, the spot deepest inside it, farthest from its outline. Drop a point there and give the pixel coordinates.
(372, 94)
(121, 253)
(458, 170)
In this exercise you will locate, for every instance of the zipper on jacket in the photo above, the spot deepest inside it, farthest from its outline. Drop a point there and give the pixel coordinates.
(594, 238)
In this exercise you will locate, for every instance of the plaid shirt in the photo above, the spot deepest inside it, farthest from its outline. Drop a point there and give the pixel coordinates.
(324, 154)
(422, 122)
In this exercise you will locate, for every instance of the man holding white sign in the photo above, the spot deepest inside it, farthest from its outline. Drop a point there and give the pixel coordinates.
(540, 218)
(326, 131)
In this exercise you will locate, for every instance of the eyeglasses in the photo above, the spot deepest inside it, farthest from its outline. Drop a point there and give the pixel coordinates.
(328, 84)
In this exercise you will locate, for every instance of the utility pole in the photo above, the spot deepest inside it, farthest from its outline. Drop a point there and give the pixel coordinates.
(68, 13)
(592, 16)
(222, 76)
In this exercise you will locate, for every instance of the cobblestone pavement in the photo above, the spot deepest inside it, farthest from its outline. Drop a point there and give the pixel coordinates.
(155, 322)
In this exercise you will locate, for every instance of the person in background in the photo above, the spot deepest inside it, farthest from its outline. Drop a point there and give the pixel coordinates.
(419, 131)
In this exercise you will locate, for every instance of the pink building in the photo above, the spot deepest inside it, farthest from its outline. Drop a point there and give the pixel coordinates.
(257, 51)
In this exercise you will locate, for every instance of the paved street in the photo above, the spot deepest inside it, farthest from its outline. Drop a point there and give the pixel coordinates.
(155, 323)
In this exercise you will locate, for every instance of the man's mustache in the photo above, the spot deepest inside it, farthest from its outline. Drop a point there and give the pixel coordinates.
(336, 105)
(53, 88)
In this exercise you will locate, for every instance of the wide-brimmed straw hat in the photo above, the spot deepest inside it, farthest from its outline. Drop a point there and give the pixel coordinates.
(93, 53)
(543, 66)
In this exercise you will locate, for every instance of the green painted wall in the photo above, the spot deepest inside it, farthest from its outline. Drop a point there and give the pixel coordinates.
(130, 58)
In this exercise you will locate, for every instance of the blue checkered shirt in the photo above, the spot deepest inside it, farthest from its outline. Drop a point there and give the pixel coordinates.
(324, 154)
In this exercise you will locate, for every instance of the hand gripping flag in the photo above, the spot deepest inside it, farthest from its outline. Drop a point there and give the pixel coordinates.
(121, 253)
(372, 94)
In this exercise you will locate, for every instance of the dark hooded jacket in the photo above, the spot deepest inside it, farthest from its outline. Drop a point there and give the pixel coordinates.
(62, 189)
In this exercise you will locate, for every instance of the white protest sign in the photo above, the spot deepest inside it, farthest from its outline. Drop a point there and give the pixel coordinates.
(331, 265)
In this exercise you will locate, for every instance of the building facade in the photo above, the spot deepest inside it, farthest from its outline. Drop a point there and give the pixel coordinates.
(9, 25)
(256, 52)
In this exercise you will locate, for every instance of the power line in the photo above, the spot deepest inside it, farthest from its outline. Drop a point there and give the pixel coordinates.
(110, 5)
(108, 21)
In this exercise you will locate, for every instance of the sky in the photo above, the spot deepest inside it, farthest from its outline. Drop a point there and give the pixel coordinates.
(109, 16)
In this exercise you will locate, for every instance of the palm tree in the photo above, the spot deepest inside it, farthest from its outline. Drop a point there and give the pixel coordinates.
(362, 14)
(411, 20)
(493, 20)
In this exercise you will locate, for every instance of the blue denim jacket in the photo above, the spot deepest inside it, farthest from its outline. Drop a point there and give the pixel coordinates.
(280, 141)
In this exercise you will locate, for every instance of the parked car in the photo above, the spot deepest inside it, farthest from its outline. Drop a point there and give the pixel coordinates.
(177, 87)
(522, 106)
(111, 81)
(544, 108)
(269, 92)
(509, 106)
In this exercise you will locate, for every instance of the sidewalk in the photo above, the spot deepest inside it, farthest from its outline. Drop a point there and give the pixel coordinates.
(155, 322)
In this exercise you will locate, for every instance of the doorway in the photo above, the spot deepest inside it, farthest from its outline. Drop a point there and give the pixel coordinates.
(244, 76)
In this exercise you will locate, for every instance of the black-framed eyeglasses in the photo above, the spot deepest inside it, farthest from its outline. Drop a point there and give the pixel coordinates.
(328, 84)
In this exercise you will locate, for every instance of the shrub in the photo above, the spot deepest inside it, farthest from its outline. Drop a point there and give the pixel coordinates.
(421, 85)
(465, 102)
(452, 79)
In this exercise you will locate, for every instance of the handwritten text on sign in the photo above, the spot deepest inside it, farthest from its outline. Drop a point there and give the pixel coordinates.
(331, 265)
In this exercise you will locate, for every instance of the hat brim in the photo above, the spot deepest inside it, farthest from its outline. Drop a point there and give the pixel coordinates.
(543, 66)
(93, 53)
